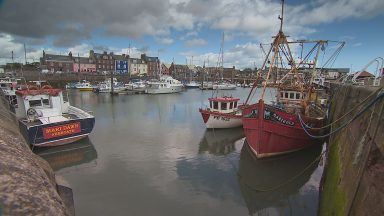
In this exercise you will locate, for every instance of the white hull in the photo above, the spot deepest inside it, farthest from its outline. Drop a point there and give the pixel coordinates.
(224, 87)
(172, 89)
(217, 121)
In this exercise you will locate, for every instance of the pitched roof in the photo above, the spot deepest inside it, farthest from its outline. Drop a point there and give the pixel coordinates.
(51, 57)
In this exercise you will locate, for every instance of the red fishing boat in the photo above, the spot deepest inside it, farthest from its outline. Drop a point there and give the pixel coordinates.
(223, 112)
(276, 128)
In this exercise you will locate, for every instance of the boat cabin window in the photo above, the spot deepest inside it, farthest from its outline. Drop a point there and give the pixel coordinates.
(215, 105)
(45, 102)
(223, 106)
(34, 103)
(231, 105)
(210, 104)
(235, 104)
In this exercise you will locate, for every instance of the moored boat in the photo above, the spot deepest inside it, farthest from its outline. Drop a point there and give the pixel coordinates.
(84, 86)
(274, 129)
(224, 86)
(166, 85)
(223, 112)
(45, 119)
(192, 84)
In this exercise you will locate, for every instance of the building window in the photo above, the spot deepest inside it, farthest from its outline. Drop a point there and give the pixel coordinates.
(292, 95)
(297, 95)
(286, 95)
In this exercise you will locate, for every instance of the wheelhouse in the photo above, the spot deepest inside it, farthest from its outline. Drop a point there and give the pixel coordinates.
(223, 104)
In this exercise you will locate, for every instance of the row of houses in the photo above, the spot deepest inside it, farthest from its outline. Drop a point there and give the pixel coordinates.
(100, 63)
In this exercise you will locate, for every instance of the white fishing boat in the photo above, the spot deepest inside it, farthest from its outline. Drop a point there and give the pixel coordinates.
(223, 112)
(166, 85)
(206, 86)
(45, 119)
(8, 87)
(192, 84)
(223, 86)
(84, 86)
(106, 86)
(137, 85)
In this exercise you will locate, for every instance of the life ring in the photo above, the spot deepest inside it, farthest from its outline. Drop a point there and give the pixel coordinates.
(46, 87)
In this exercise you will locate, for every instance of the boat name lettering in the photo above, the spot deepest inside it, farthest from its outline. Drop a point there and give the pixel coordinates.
(61, 130)
(221, 118)
(273, 116)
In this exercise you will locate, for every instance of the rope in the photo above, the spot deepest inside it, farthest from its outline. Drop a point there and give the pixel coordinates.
(319, 157)
(349, 112)
(380, 96)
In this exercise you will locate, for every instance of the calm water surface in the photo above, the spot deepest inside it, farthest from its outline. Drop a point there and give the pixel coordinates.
(151, 155)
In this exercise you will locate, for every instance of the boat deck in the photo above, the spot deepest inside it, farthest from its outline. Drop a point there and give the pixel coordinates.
(48, 120)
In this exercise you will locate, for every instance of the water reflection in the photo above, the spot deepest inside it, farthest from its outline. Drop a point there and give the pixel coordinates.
(257, 178)
(221, 141)
(64, 156)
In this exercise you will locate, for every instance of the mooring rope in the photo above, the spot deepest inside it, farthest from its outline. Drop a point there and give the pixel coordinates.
(346, 114)
(370, 104)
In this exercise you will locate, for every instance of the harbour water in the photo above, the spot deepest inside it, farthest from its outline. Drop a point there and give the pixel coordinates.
(151, 155)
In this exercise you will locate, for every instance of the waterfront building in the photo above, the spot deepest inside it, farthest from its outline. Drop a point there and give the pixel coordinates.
(104, 61)
(84, 65)
(57, 63)
(137, 67)
(165, 69)
(218, 73)
(153, 65)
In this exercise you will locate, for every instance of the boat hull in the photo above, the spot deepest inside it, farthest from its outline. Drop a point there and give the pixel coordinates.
(173, 89)
(271, 132)
(85, 89)
(55, 134)
(220, 120)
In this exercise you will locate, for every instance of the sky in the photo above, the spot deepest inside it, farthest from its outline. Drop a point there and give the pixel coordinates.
(188, 31)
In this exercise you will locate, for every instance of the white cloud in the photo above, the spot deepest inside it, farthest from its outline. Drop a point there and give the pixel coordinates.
(195, 42)
(165, 40)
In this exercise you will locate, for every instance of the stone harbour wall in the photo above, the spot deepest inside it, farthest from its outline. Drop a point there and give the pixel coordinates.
(353, 180)
(27, 182)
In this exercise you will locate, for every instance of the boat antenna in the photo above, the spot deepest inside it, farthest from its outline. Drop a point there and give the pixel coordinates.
(281, 17)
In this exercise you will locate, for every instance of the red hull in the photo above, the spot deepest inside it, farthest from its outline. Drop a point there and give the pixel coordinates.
(270, 131)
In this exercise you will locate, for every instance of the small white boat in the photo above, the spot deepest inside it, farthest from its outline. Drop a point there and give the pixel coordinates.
(223, 112)
(206, 86)
(192, 84)
(45, 119)
(223, 86)
(8, 87)
(166, 85)
(84, 86)
(106, 86)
